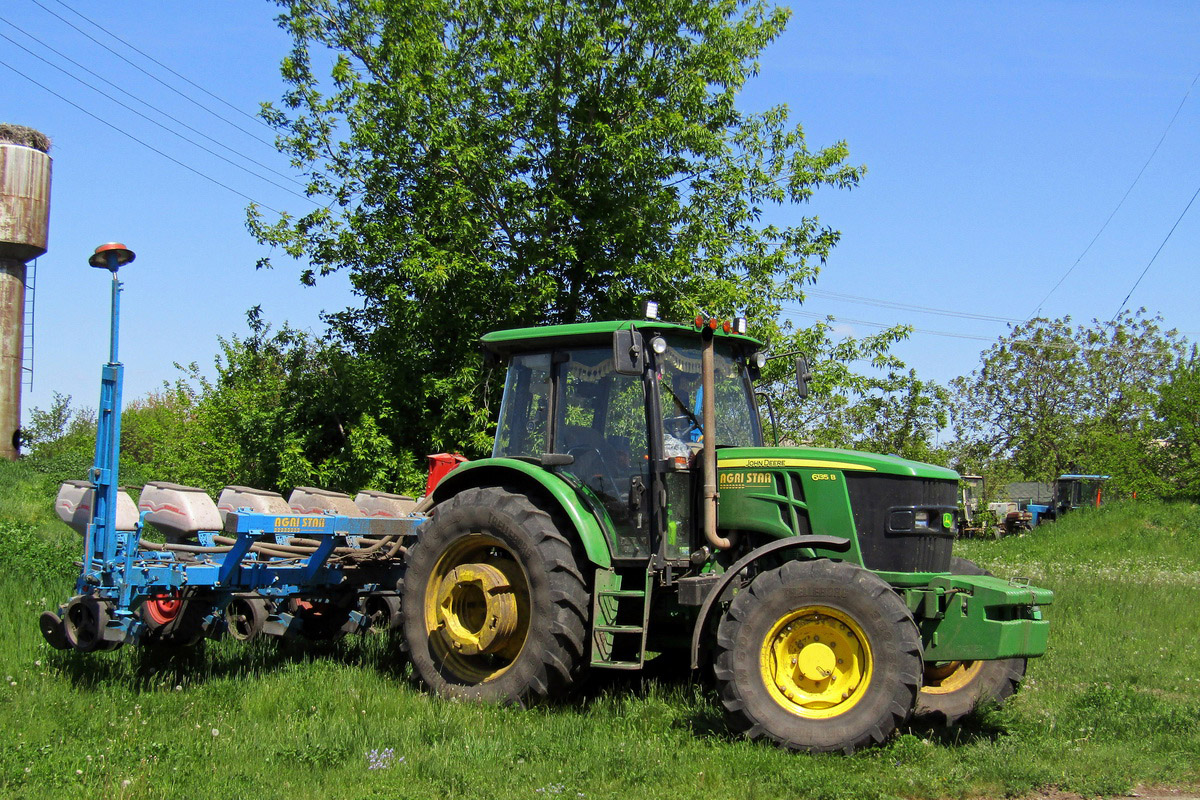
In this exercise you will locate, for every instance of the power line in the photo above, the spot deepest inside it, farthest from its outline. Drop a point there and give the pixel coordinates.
(824, 317)
(146, 72)
(1122, 201)
(161, 64)
(135, 98)
(152, 121)
(1153, 257)
(148, 146)
(1065, 346)
(851, 298)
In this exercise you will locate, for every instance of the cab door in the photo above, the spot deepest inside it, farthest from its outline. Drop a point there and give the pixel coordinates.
(600, 421)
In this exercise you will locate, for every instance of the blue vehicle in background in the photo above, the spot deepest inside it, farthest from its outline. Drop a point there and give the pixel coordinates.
(1070, 492)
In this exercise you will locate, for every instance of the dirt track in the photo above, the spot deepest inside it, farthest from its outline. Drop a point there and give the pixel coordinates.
(1140, 793)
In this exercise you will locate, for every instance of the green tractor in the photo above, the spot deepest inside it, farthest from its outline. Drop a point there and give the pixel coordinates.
(631, 509)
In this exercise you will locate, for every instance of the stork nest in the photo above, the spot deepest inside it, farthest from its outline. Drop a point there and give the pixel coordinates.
(26, 137)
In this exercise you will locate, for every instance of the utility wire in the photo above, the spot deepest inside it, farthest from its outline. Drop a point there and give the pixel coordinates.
(137, 99)
(152, 121)
(870, 301)
(1122, 201)
(148, 146)
(107, 46)
(1153, 257)
(824, 317)
(1015, 344)
(161, 64)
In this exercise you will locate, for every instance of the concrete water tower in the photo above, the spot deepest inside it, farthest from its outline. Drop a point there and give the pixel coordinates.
(24, 225)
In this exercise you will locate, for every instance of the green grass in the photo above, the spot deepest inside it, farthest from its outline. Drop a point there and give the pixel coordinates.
(1115, 703)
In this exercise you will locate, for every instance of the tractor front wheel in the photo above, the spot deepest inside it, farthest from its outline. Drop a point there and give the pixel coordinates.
(953, 689)
(818, 656)
(495, 604)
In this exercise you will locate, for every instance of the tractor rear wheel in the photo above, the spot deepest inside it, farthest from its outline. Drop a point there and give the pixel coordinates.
(818, 656)
(495, 604)
(951, 690)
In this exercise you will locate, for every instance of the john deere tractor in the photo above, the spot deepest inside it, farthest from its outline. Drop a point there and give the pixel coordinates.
(630, 508)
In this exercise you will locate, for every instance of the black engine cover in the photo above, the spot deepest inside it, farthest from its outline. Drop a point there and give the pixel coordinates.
(881, 505)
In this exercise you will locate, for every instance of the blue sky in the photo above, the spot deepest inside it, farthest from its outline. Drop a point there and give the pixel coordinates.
(998, 138)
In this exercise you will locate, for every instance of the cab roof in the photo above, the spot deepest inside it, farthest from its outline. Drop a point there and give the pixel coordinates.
(546, 336)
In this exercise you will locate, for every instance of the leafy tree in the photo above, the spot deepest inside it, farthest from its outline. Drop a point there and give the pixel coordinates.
(488, 163)
(1179, 412)
(885, 408)
(284, 410)
(1054, 398)
(61, 440)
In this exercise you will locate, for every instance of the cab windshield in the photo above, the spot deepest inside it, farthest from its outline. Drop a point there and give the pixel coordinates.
(678, 375)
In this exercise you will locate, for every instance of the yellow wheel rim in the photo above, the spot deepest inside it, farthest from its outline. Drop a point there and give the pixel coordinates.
(477, 608)
(816, 662)
(949, 676)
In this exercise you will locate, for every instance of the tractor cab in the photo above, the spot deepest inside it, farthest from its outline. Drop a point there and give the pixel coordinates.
(625, 429)
(971, 490)
(1078, 491)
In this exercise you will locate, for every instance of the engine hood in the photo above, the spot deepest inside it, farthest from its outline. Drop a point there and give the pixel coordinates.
(829, 458)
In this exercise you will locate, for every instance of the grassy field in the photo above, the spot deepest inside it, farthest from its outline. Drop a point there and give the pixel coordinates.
(1116, 702)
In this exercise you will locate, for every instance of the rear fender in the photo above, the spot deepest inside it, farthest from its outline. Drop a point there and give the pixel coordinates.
(531, 478)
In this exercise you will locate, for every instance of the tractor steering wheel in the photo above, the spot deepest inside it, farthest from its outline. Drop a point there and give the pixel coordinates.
(682, 426)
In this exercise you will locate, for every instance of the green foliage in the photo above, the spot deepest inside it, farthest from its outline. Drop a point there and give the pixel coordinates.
(284, 410)
(35, 543)
(29, 551)
(885, 409)
(61, 440)
(1054, 398)
(493, 164)
(26, 495)
(287, 410)
(1178, 410)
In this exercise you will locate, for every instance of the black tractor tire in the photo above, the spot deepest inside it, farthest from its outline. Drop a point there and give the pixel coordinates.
(953, 690)
(871, 651)
(517, 549)
(382, 612)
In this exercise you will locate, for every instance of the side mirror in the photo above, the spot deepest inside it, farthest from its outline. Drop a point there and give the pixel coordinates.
(803, 376)
(629, 352)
